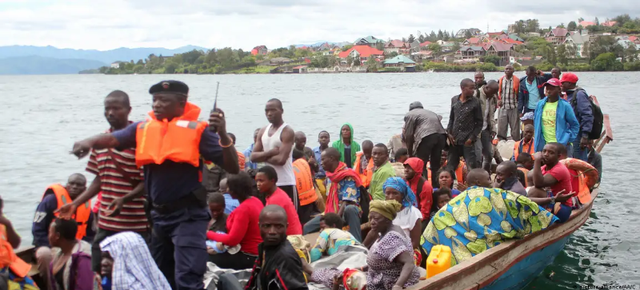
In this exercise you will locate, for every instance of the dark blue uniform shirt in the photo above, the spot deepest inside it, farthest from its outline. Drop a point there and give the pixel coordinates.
(43, 218)
(170, 181)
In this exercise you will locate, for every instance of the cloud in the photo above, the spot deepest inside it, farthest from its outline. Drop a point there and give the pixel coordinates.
(108, 24)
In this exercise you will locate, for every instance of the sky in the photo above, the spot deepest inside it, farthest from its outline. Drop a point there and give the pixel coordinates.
(109, 24)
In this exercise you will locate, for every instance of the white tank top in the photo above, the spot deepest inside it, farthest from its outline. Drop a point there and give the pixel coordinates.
(285, 172)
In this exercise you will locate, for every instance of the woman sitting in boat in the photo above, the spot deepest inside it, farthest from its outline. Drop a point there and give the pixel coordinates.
(445, 180)
(409, 218)
(133, 266)
(71, 266)
(390, 262)
(14, 270)
(481, 218)
(242, 226)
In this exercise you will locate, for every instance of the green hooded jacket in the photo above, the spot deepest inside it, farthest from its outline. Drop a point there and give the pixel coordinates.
(355, 147)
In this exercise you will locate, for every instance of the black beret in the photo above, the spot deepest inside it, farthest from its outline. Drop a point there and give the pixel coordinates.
(177, 87)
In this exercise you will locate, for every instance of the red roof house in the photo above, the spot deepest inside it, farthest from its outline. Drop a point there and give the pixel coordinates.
(361, 51)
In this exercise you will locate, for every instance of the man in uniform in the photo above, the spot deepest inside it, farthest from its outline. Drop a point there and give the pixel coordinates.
(169, 146)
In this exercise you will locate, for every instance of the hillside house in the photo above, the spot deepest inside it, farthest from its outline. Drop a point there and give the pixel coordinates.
(557, 35)
(578, 40)
(500, 49)
(425, 45)
(115, 64)
(369, 40)
(422, 55)
(470, 53)
(259, 50)
(361, 52)
(397, 46)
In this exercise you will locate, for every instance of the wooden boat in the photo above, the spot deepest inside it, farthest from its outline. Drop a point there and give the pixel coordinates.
(514, 264)
(511, 265)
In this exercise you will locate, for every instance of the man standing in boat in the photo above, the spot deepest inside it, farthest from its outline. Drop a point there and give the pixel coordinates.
(465, 125)
(169, 146)
(119, 180)
(275, 147)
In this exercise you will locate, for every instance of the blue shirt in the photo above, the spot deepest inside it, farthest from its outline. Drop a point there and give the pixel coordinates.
(43, 218)
(170, 181)
(317, 153)
(247, 155)
(230, 203)
(534, 93)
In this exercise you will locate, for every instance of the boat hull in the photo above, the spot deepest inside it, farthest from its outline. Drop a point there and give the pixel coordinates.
(525, 271)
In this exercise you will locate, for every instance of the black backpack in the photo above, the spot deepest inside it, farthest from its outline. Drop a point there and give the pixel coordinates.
(598, 117)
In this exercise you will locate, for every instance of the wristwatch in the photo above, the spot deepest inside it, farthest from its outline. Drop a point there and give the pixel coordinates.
(553, 199)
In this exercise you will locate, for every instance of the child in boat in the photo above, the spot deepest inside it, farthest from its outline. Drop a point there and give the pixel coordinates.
(230, 203)
(217, 207)
(441, 197)
(332, 238)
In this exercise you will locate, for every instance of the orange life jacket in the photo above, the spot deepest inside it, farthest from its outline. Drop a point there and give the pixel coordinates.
(9, 258)
(587, 177)
(526, 173)
(516, 87)
(459, 174)
(304, 182)
(177, 140)
(82, 213)
(365, 173)
(520, 147)
(241, 160)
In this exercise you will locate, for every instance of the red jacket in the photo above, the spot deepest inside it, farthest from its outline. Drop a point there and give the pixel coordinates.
(425, 196)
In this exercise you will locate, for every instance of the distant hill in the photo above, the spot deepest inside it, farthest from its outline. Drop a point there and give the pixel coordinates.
(106, 57)
(32, 65)
(343, 43)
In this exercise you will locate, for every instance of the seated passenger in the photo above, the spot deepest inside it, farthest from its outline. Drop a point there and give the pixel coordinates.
(14, 270)
(525, 164)
(266, 180)
(132, 264)
(492, 217)
(70, 267)
(445, 180)
(242, 226)
(343, 196)
(278, 265)
(441, 197)
(413, 168)
(218, 224)
(364, 164)
(409, 218)
(506, 178)
(332, 238)
(552, 182)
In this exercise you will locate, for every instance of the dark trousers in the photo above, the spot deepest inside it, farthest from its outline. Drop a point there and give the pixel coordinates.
(178, 246)
(306, 211)
(292, 193)
(487, 150)
(430, 150)
(468, 152)
(237, 261)
(96, 253)
(227, 282)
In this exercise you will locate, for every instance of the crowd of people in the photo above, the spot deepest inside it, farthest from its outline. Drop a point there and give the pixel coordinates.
(173, 193)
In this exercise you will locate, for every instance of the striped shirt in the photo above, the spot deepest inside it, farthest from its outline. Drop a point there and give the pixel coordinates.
(114, 185)
(509, 98)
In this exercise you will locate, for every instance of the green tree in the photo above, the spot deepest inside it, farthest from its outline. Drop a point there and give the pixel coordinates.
(467, 34)
(380, 46)
(170, 68)
(631, 54)
(561, 52)
(391, 54)
(411, 38)
(432, 36)
(606, 62)
(347, 47)
(372, 64)
(440, 35)
(436, 48)
(349, 60)
(572, 26)
(356, 61)
(493, 59)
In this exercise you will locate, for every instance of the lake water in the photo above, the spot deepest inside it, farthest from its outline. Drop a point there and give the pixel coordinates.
(43, 115)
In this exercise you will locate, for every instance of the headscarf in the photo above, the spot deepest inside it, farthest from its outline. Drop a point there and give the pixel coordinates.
(338, 144)
(387, 208)
(418, 166)
(133, 266)
(354, 279)
(397, 183)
